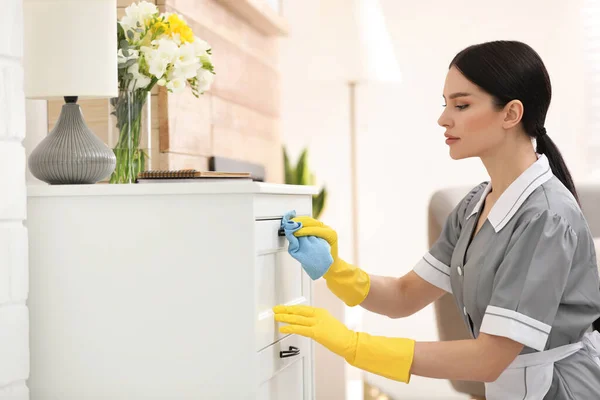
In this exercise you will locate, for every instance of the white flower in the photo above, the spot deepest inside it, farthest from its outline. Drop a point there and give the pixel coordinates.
(159, 58)
(176, 37)
(186, 71)
(205, 79)
(176, 85)
(200, 46)
(133, 55)
(168, 49)
(138, 12)
(147, 9)
(187, 55)
(157, 66)
(187, 63)
(139, 80)
(206, 59)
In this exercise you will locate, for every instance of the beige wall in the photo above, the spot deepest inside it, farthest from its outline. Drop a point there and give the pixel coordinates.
(238, 118)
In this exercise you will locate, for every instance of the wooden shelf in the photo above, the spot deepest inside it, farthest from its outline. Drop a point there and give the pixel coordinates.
(260, 15)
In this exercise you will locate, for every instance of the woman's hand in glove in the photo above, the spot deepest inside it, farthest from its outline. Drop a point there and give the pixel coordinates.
(348, 282)
(313, 227)
(319, 325)
(388, 357)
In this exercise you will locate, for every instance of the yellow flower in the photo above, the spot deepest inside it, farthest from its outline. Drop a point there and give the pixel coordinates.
(178, 26)
(156, 26)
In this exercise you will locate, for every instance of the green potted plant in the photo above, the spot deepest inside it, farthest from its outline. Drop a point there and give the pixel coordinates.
(300, 174)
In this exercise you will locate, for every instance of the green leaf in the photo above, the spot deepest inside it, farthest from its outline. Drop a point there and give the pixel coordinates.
(207, 65)
(301, 175)
(319, 203)
(120, 33)
(124, 44)
(289, 171)
(130, 35)
(301, 168)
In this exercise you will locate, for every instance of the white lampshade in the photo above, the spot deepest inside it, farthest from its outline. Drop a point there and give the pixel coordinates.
(353, 41)
(70, 48)
(377, 61)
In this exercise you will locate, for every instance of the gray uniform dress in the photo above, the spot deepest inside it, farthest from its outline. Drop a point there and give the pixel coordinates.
(529, 274)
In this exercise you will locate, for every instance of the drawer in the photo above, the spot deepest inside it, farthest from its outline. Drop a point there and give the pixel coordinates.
(267, 236)
(279, 279)
(288, 375)
(276, 205)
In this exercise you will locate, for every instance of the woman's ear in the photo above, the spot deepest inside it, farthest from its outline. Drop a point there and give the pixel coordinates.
(513, 113)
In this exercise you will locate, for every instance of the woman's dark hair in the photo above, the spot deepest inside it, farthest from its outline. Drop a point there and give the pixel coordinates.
(511, 70)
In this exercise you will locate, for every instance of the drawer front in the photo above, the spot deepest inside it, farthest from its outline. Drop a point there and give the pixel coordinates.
(279, 279)
(287, 384)
(267, 236)
(276, 205)
(288, 377)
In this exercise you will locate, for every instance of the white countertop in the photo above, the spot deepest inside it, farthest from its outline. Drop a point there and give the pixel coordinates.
(140, 189)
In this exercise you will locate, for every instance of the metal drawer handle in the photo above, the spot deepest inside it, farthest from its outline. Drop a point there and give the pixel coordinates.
(293, 351)
(280, 232)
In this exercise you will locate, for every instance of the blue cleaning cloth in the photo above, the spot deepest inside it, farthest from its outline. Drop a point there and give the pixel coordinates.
(313, 253)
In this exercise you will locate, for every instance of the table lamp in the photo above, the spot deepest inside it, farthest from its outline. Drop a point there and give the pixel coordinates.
(70, 52)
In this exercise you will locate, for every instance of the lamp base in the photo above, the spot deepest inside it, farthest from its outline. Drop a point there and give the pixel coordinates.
(71, 153)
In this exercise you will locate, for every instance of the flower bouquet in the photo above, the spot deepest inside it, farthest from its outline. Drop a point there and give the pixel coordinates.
(153, 49)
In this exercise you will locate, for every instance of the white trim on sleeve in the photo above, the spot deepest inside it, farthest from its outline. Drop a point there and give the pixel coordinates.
(516, 326)
(434, 271)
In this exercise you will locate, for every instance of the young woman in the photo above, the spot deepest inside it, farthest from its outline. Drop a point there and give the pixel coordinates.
(516, 252)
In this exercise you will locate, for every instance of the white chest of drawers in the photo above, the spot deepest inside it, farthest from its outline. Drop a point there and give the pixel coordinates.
(164, 291)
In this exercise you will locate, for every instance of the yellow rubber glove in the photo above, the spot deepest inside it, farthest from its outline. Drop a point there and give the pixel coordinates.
(348, 282)
(385, 356)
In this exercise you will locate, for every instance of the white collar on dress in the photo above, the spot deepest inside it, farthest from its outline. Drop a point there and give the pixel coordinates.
(514, 196)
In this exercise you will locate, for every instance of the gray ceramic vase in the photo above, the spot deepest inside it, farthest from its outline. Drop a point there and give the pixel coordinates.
(71, 153)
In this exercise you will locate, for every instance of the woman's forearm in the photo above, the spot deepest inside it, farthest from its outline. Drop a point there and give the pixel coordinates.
(399, 297)
(482, 359)
(384, 297)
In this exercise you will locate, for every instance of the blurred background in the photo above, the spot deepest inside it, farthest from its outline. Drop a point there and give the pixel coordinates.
(357, 86)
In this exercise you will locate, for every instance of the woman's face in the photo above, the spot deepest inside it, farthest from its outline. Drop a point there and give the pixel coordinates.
(474, 127)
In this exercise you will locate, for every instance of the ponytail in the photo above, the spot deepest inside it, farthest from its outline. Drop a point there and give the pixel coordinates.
(546, 146)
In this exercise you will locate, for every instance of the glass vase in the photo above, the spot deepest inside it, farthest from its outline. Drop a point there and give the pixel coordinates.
(129, 134)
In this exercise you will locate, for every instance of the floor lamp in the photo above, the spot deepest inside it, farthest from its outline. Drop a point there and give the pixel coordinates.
(377, 63)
